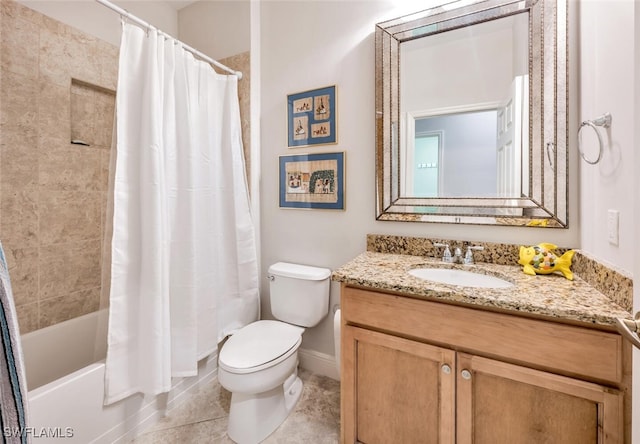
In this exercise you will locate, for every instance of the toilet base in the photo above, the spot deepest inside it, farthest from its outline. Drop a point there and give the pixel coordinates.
(254, 417)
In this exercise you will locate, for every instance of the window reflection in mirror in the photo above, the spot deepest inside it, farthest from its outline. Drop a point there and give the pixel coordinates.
(465, 111)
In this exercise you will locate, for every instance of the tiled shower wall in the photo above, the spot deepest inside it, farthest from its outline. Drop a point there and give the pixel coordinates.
(57, 84)
(242, 62)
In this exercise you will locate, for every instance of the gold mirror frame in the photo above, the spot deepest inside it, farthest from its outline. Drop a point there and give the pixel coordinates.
(546, 203)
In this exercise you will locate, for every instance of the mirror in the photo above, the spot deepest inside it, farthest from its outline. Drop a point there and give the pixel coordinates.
(471, 114)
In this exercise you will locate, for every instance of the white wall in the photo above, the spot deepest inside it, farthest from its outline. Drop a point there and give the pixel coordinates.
(307, 45)
(217, 28)
(95, 19)
(609, 76)
(487, 52)
(606, 70)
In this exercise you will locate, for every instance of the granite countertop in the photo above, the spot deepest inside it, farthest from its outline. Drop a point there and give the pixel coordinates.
(542, 295)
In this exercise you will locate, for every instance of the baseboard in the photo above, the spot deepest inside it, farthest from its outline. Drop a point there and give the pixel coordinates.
(318, 363)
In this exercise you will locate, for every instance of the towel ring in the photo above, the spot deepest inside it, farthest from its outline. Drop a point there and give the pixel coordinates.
(604, 121)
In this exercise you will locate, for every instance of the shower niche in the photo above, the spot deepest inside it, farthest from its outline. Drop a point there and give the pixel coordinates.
(92, 114)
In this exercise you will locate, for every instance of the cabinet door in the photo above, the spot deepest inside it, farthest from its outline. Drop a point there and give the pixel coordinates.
(504, 403)
(395, 390)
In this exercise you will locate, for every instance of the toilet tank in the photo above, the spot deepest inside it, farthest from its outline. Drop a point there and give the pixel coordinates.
(299, 293)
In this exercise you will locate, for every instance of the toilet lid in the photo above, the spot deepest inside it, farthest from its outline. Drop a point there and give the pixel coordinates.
(259, 343)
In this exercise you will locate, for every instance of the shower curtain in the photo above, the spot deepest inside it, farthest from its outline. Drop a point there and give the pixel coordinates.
(184, 266)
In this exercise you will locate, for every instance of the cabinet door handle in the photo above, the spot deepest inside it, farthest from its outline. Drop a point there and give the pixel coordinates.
(446, 369)
(629, 329)
(466, 374)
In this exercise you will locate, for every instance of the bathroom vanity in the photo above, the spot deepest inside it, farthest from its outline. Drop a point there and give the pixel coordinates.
(428, 362)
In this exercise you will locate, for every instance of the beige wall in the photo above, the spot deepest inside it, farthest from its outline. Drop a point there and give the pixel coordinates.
(218, 28)
(53, 193)
(99, 21)
(221, 30)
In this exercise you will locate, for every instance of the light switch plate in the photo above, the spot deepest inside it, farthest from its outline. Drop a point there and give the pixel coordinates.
(613, 223)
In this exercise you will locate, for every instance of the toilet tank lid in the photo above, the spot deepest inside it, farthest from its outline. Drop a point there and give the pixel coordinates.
(297, 271)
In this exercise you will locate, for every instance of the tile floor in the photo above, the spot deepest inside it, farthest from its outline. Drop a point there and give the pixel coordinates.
(203, 418)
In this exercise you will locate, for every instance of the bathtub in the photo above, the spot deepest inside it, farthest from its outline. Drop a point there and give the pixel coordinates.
(65, 378)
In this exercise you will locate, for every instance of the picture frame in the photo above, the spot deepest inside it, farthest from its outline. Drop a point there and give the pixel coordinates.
(312, 181)
(312, 117)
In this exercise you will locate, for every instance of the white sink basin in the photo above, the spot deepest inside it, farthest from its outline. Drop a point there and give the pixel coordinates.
(459, 277)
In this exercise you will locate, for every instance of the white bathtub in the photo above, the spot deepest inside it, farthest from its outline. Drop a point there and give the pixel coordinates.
(65, 377)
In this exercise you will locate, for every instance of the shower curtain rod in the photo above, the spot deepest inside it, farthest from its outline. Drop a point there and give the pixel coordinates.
(139, 21)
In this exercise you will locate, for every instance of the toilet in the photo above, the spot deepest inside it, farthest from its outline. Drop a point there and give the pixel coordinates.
(259, 363)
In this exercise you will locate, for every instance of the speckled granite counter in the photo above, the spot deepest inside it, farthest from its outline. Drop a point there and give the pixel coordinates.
(550, 295)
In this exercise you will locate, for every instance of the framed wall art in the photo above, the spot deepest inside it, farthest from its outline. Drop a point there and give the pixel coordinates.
(312, 181)
(311, 117)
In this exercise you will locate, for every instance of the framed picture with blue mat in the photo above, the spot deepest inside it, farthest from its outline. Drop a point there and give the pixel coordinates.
(311, 117)
(312, 181)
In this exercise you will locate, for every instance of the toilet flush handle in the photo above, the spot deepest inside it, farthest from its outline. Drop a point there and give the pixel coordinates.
(271, 277)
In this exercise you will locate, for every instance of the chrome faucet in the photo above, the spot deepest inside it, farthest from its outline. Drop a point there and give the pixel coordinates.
(457, 257)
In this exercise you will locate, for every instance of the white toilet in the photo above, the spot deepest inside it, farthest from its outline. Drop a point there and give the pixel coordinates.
(258, 364)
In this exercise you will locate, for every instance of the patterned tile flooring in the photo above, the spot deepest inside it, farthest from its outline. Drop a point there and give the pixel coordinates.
(203, 418)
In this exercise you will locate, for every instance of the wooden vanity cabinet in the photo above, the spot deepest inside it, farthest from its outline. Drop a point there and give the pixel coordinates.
(416, 371)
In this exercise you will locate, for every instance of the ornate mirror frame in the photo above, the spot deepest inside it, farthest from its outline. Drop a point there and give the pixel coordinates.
(546, 201)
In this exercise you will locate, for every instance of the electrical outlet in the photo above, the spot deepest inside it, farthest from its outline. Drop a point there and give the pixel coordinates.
(613, 221)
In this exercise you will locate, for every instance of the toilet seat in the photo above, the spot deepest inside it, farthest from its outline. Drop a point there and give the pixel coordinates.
(259, 345)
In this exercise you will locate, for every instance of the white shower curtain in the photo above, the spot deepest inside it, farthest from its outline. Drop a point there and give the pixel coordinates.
(184, 267)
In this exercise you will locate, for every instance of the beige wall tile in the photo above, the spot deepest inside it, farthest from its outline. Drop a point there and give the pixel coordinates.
(19, 45)
(13, 10)
(23, 270)
(68, 167)
(54, 57)
(19, 98)
(69, 268)
(105, 160)
(28, 317)
(83, 56)
(19, 227)
(54, 110)
(18, 158)
(69, 216)
(107, 61)
(55, 310)
(65, 53)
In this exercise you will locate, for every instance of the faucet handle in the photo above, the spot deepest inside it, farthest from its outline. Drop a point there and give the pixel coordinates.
(468, 257)
(446, 255)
